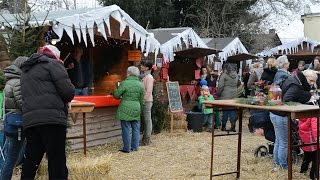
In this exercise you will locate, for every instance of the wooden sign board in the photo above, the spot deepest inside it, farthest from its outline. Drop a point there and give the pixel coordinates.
(174, 97)
(134, 55)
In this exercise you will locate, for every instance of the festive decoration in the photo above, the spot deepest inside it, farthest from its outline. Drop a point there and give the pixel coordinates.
(290, 47)
(233, 48)
(84, 22)
(186, 38)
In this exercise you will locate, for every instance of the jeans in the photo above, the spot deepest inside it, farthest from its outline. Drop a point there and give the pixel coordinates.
(81, 91)
(12, 150)
(228, 114)
(280, 150)
(217, 122)
(207, 119)
(49, 139)
(147, 120)
(130, 142)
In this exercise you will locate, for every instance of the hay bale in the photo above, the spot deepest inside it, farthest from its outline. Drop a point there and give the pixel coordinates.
(180, 121)
(81, 167)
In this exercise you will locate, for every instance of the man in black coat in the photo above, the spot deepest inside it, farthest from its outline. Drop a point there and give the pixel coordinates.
(46, 91)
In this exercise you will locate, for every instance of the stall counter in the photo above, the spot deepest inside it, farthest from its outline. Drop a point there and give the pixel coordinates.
(101, 124)
(100, 101)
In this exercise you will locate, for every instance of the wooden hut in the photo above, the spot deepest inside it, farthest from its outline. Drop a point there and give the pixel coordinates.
(182, 53)
(112, 41)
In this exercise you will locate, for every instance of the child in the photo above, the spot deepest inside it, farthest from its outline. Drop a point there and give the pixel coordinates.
(308, 134)
(206, 96)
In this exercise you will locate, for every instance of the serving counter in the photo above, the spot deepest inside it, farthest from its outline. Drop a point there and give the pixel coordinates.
(100, 124)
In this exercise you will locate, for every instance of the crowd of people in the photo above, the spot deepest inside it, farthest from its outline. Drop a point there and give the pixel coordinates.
(39, 90)
(296, 87)
(38, 93)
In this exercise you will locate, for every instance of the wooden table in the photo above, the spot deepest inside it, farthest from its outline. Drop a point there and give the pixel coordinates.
(81, 107)
(293, 112)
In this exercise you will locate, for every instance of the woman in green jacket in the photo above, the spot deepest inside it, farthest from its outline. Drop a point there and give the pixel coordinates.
(131, 93)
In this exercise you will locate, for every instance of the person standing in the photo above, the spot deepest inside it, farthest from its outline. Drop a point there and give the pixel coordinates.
(148, 81)
(270, 71)
(279, 119)
(227, 89)
(13, 103)
(131, 93)
(301, 67)
(207, 112)
(46, 91)
(79, 70)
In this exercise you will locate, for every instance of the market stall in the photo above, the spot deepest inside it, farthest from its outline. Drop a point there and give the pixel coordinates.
(111, 41)
(182, 53)
(302, 49)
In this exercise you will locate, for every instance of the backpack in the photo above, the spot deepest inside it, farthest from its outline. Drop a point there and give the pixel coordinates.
(12, 123)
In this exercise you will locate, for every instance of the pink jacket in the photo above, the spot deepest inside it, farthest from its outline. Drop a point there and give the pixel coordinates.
(148, 87)
(308, 133)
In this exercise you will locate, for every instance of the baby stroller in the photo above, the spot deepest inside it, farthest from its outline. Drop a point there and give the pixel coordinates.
(261, 119)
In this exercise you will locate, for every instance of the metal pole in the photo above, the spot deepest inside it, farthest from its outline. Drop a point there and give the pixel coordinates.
(239, 143)
(212, 142)
(289, 148)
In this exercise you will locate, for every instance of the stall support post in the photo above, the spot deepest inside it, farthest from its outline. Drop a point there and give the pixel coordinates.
(240, 111)
(289, 147)
(212, 143)
(84, 134)
(171, 122)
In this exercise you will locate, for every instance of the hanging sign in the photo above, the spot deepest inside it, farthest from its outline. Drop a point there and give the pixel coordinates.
(134, 55)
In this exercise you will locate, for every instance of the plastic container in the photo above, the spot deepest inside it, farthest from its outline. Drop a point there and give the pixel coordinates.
(195, 121)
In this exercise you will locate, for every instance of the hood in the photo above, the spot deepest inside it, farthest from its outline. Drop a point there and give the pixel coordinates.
(12, 72)
(233, 75)
(299, 80)
(34, 59)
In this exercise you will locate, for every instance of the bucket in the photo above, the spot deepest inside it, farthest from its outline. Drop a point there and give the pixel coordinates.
(195, 121)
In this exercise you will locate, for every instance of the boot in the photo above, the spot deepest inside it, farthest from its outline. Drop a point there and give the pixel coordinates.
(233, 127)
(223, 128)
(145, 141)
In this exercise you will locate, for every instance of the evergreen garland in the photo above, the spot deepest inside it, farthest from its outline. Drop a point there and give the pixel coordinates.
(254, 101)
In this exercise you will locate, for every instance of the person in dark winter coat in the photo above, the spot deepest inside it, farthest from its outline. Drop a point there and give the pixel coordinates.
(13, 103)
(79, 70)
(269, 72)
(301, 84)
(46, 91)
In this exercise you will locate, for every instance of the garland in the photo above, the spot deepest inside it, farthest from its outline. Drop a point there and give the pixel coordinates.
(262, 102)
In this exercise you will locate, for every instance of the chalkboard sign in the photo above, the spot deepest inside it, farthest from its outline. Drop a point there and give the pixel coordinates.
(173, 90)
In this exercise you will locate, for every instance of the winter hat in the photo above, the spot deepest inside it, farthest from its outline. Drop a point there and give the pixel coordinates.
(204, 88)
(203, 83)
(19, 61)
(50, 50)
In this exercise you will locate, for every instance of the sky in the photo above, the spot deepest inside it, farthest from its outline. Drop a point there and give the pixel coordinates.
(294, 29)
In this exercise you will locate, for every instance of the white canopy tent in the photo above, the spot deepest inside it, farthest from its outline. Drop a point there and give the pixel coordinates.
(290, 47)
(184, 40)
(84, 21)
